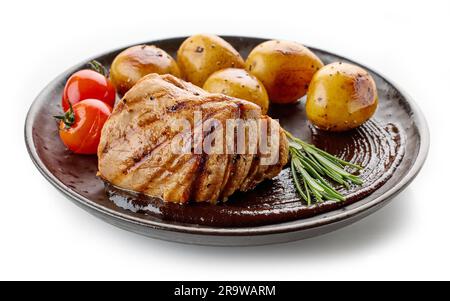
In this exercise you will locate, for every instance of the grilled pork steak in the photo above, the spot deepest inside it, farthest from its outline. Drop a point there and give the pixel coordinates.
(144, 148)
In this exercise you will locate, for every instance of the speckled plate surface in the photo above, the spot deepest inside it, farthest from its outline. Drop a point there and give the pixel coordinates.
(392, 147)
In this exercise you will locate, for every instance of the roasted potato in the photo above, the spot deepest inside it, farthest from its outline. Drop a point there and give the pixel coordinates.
(240, 84)
(201, 55)
(340, 97)
(135, 62)
(285, 68)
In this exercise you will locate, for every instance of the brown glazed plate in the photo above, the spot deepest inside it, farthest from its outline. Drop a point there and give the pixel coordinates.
(392, 147)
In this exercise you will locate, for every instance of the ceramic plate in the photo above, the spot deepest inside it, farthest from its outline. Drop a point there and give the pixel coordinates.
(393, 146)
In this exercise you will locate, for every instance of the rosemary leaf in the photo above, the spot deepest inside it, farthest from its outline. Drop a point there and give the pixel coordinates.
(309, 167)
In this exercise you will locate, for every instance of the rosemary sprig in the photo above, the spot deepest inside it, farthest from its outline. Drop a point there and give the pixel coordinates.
(312, 168)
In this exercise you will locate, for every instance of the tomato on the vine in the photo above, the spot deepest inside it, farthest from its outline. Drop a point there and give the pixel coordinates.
(80, 126)
(86, 84)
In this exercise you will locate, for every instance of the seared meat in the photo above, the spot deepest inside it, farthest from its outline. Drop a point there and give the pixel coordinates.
(136, 150)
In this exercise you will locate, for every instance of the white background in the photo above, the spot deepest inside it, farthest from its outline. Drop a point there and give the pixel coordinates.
(44, 236)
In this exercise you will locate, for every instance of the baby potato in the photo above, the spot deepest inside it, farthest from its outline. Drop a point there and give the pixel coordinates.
(135, 62)
(240, 84)
(341, 97)
(201, 55)
(285, 68)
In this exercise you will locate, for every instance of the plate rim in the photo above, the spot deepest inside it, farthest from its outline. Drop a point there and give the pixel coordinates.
(285, 227)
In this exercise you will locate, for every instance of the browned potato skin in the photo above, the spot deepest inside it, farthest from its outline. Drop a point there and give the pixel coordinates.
(135, 62)
(285, 68)
(240, 84)
(201, 55)
(341, 97)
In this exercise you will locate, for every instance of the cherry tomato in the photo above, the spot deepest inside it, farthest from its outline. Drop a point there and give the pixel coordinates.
(86, 84)
(80, 127)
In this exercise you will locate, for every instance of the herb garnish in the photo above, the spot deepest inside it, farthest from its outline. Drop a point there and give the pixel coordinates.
(310, 166)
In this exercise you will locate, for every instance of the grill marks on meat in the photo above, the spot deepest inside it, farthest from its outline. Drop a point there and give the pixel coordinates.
(135, 146)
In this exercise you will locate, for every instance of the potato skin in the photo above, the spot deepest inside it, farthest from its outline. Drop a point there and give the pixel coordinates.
(285, 68)
(135, 62)
(341, 97)
(240, 84)
(201, 55)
